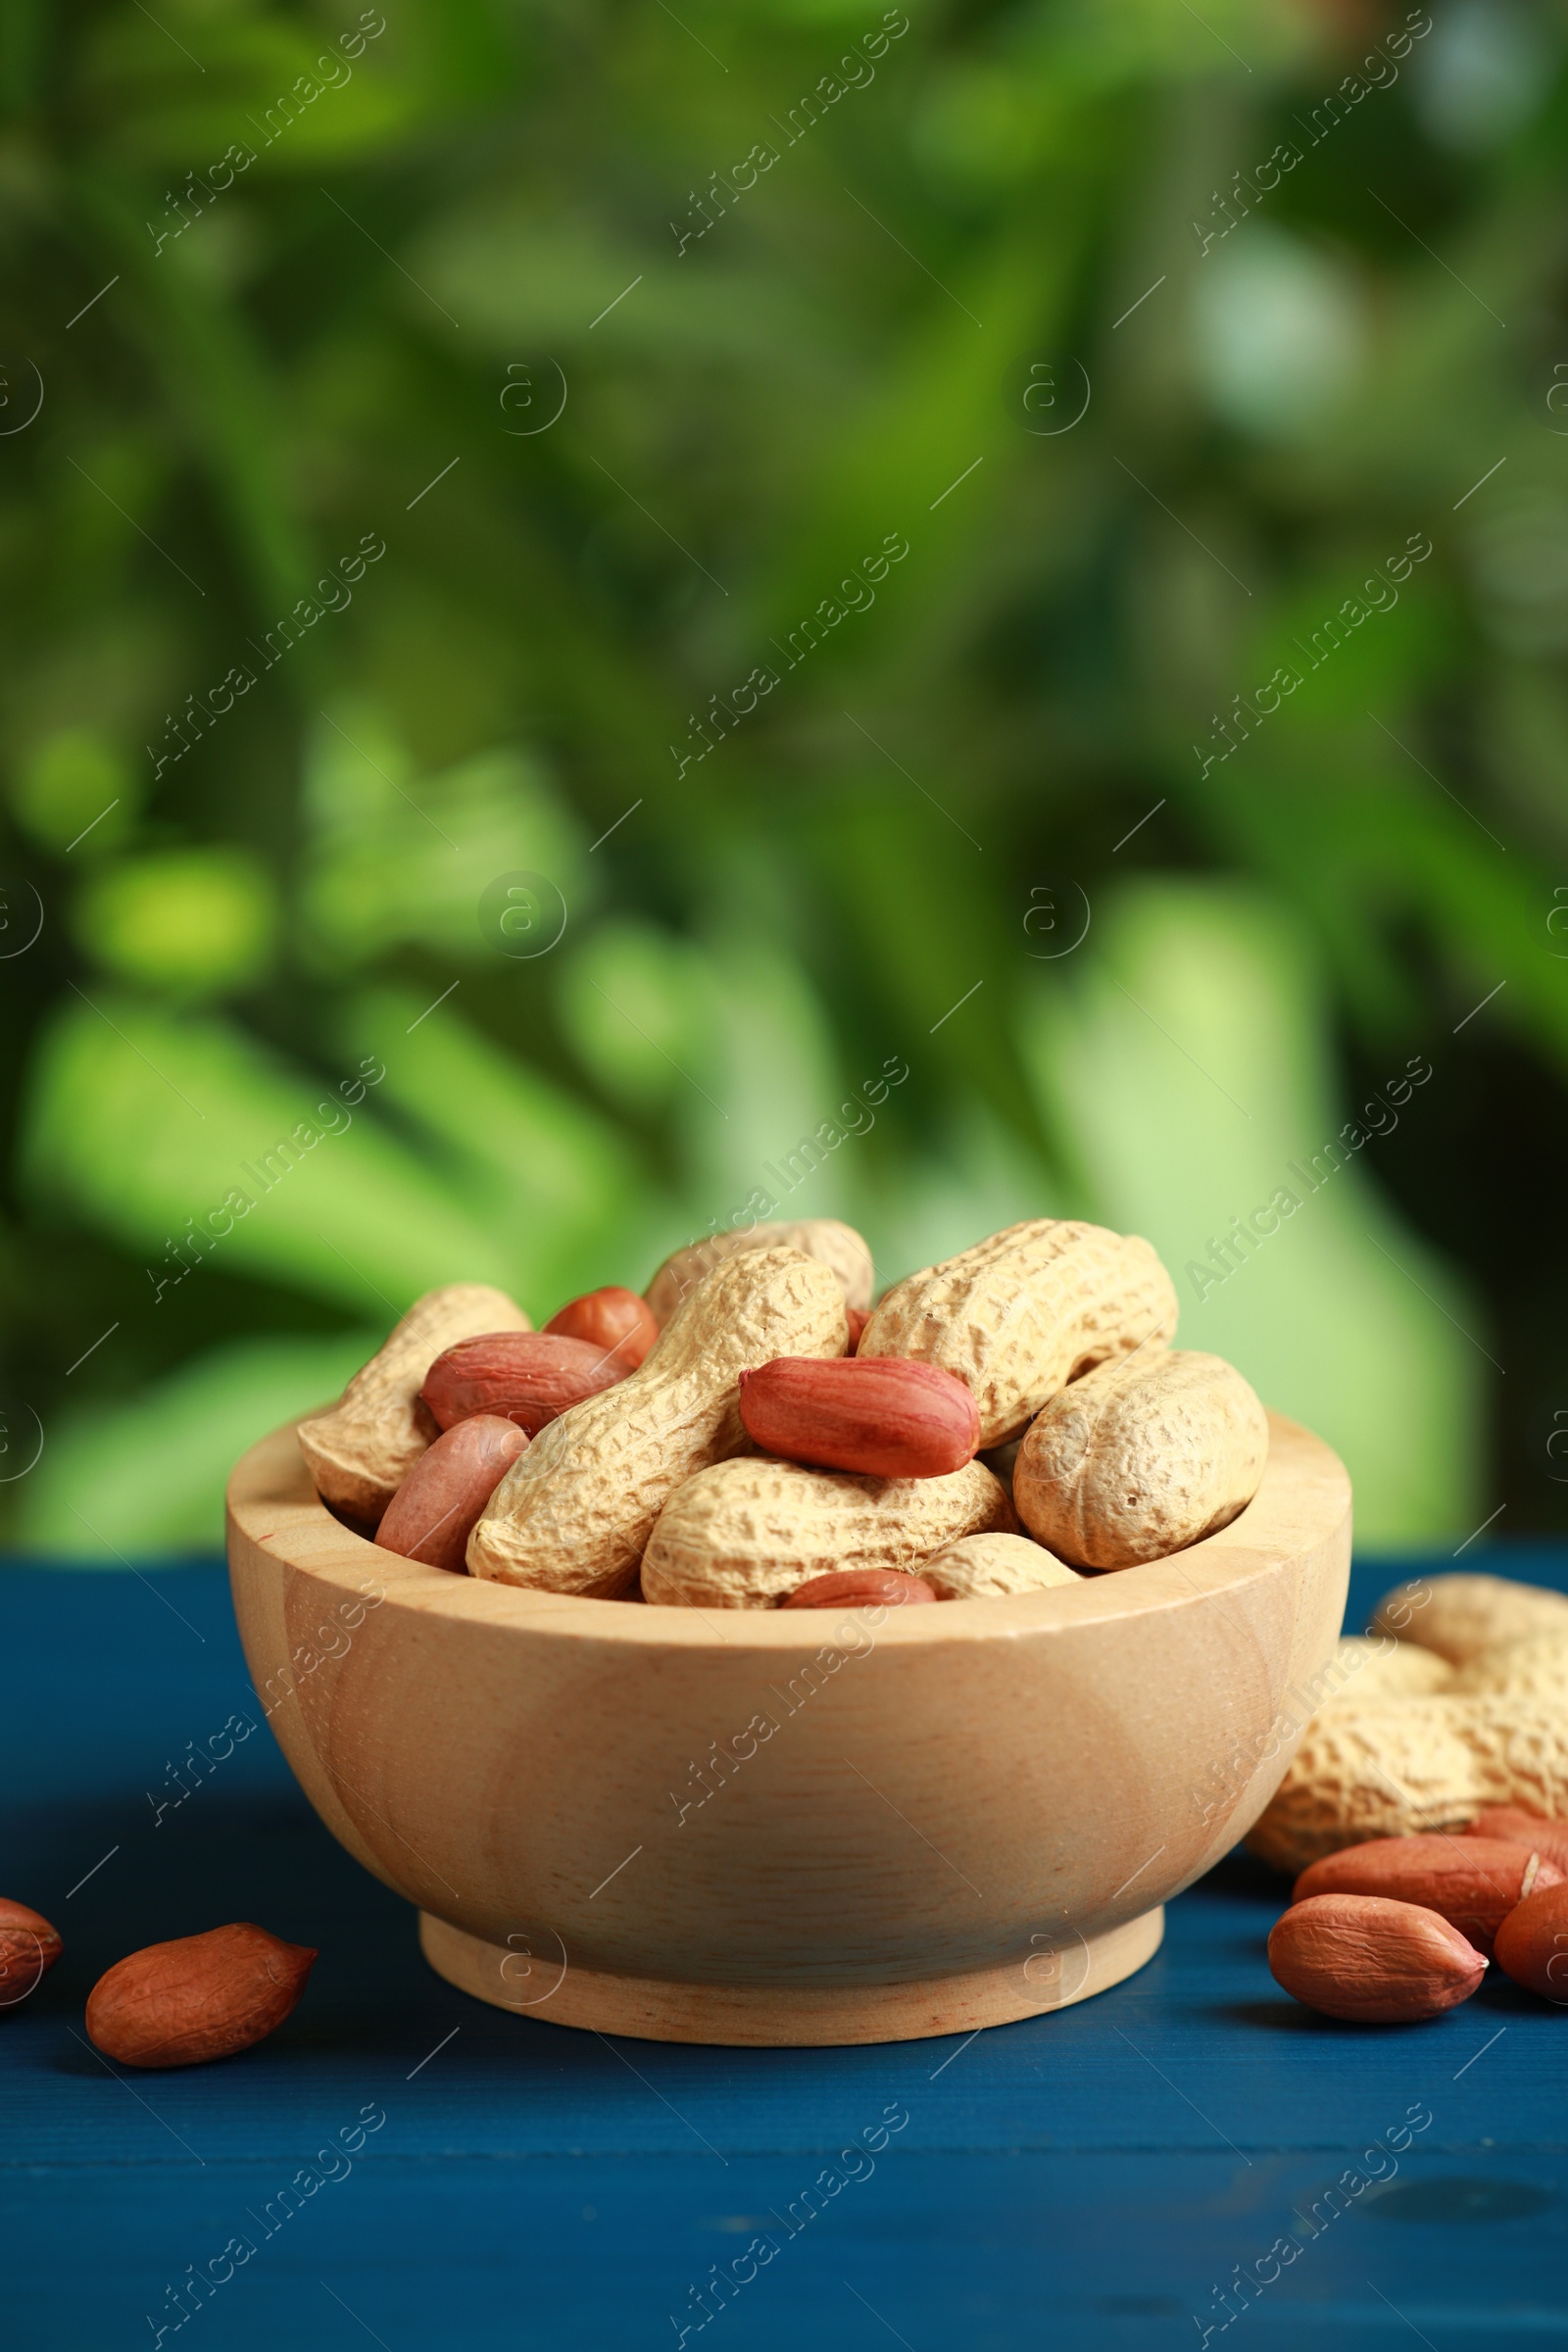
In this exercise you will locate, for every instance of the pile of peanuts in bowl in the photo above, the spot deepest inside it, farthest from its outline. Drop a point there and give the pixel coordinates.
(753, 1433)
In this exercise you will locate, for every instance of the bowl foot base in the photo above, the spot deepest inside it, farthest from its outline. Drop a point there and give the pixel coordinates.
(778, 2016)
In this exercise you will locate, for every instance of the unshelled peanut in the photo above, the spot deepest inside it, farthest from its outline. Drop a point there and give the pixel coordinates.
(745, 1534)
(988, 1567)
(1463, 1612)
(836, 1246)
(1022, 1314)
(1396, 1766)
(1535, 1667)
(1363, 1670)
(1139, 1458)
(361, 1451)
(575, 1514)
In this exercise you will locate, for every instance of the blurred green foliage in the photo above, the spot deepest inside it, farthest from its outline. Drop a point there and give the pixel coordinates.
(509, 292)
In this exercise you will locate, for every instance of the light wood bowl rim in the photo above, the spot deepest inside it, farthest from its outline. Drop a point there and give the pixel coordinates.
(272, 1503)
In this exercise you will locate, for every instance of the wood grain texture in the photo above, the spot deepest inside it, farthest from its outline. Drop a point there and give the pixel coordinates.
(1054, 1975)
(797, 1806)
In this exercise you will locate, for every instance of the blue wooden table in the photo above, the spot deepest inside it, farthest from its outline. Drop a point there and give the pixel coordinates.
(401, 2165)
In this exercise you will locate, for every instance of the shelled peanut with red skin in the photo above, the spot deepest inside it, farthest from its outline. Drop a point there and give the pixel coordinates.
(432, 1514)
(859, 1589)
(1472, 1883)
(1533, 1944)
(614, 1319)
(197, 1997)
(884, 1417)
(28, 1948)
(1548, 1839)
(530, 1377)
(1372, 1961)
(361, 1451)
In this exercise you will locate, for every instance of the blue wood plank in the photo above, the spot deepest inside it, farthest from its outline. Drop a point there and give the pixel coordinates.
(985, 2253)
(1091, 2178)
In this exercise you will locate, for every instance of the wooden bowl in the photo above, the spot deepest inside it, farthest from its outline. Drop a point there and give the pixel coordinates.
(754, 1826)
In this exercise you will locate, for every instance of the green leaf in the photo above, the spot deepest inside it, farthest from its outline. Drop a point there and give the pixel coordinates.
(211, 1132)
(561, 1191)
(192, 921)
(400, 859)
(1188, 1052)
(141, 1481)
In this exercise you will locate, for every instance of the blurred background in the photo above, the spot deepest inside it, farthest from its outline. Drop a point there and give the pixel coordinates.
(938, 617)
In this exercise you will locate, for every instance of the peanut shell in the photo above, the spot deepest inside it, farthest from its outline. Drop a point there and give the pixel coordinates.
(1364, 1669)
(1463, 1612)
(1141, 1457)
(575, 1514)
(1534, 1668)
(823, 1238)
(361, 1451)
(988, 1566)
(1020, 1315)
(746, 1534)
(1415, 1764)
